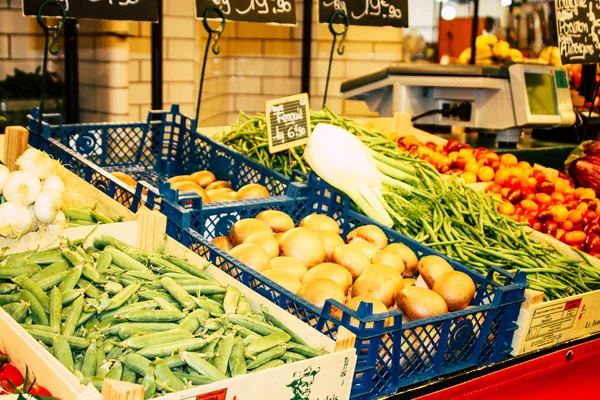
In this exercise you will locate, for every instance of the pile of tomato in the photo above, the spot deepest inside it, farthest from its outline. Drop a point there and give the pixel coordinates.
(542, 197)
(13, 381)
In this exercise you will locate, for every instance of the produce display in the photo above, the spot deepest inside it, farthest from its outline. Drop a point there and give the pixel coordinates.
(34, 198)
(206, 185)
(315, 262)
(544, 198)
(491, 51)
(12, 381)
(113, 311)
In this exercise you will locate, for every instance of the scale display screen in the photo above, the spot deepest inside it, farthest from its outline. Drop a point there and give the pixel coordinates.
(541, 94)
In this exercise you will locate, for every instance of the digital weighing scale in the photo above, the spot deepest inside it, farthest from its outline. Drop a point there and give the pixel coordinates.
(503, 100)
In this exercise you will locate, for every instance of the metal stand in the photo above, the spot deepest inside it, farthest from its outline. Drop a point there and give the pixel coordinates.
(51, 47)
(157, 61)
(340, 50)
(215, 48)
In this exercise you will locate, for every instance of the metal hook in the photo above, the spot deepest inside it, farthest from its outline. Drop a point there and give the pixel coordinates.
(345, 21)
(53, 48)
(215, 47)
(50, 46)
(340, 50)
(218, 31)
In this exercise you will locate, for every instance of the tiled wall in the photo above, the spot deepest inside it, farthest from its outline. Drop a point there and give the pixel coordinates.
(256, 63)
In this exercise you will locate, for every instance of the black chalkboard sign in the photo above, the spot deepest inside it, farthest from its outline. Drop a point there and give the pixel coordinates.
(578, 27)
(124, 10)
(265, 11)
(367, 12)
(288, 122)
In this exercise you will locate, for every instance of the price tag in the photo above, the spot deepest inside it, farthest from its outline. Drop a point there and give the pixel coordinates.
(288, 122)
(367, 12)
(578, 27)
(124, 10)
(265, 11)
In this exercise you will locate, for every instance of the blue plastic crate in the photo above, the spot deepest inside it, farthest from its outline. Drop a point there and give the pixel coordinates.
(164, 145)
(389, 357)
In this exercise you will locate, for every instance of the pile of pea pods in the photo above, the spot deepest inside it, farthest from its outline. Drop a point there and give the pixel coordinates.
(110, 310)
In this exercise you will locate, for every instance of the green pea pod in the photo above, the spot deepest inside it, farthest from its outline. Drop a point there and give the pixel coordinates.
(157, 338)
(56, 304)
(38, 313)
(121, 298)
(62, 351)
(18, 311)
(270, 364)
(232, 297)
(149, 383)
(121, 311)
(165, 350)
(70, 281)
(136, 363)
(103, 262)
(48, 283)
(199, 364)
(165, 378)
(73, 317)
(116, 371)
(224, 348)
(266, 356)
(265, 343)
(7, 288)
(8, 298)
(88, 368)
(178, 293)
(194, 320)
(27, 284)
(237, 361)
(51, 270)
(129, 375)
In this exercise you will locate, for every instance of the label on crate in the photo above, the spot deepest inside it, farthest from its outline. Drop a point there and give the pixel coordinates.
(288, 122)
(265, 11)
(577, 23)
(367, 12)
(554, 322)
(124, 10)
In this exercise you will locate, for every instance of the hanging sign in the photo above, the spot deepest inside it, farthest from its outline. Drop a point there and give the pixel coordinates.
(367, 12)
(288, 122)
(265, 11)
(124, 10)
(578, 27)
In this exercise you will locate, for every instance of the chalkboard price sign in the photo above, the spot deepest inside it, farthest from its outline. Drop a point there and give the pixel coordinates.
(124, 10)
(578, 27)
(288, 122)
(265, 11)
(367, 12)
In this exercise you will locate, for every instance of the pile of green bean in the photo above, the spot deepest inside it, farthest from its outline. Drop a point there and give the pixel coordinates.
(113, 311)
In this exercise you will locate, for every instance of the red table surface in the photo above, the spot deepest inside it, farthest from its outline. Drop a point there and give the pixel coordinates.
(548, 377)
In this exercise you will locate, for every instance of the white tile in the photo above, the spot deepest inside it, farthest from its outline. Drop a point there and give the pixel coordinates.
(180, 49)
(110, 48)
(112, 74)
(134, 71)
(181, 92)
(178, 71)
(262, 67)
(182, 8)
(179, 27)
(139, 93)
(112, 101)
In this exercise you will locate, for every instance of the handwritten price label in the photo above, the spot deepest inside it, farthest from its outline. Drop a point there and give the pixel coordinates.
(265, 11)
(125, 10)
(367, 12)
(288, 122)
(578, 27)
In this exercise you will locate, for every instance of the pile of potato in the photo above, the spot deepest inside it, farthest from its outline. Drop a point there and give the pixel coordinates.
(313, 261)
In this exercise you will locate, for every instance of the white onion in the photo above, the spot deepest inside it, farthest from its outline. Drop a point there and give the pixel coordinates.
(53, 182)
(47, 205)
(22, 187)
(15, 220)
(34, 223)
(59, 223)
(37, 162)
(4, 174)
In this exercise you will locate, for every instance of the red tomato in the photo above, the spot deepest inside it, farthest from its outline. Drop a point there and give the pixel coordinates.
(512, 182)
(545, 187)
(9, 374)
(538, 175)
(37, 390)
(451, 145)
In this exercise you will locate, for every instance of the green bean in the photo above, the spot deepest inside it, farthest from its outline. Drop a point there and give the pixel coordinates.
(62, 351)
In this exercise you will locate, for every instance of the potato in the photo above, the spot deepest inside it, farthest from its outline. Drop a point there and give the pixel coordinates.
(245, 228)
(388, 257)
(369, 233)
(223, 243)
(290, 265)
(456, 288)
(218, 185)
(252, 255)
(252, 191)
(331, 241)
(407, 255)
(320, 223)
(285, 279)
(266, 241)
(379, 281)
(431, 268)
(419, 303)
(353, 259)
(366, 247)
(304, 245)
(203, 178)
(317, 291)
(335, 272)
(277, 220)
